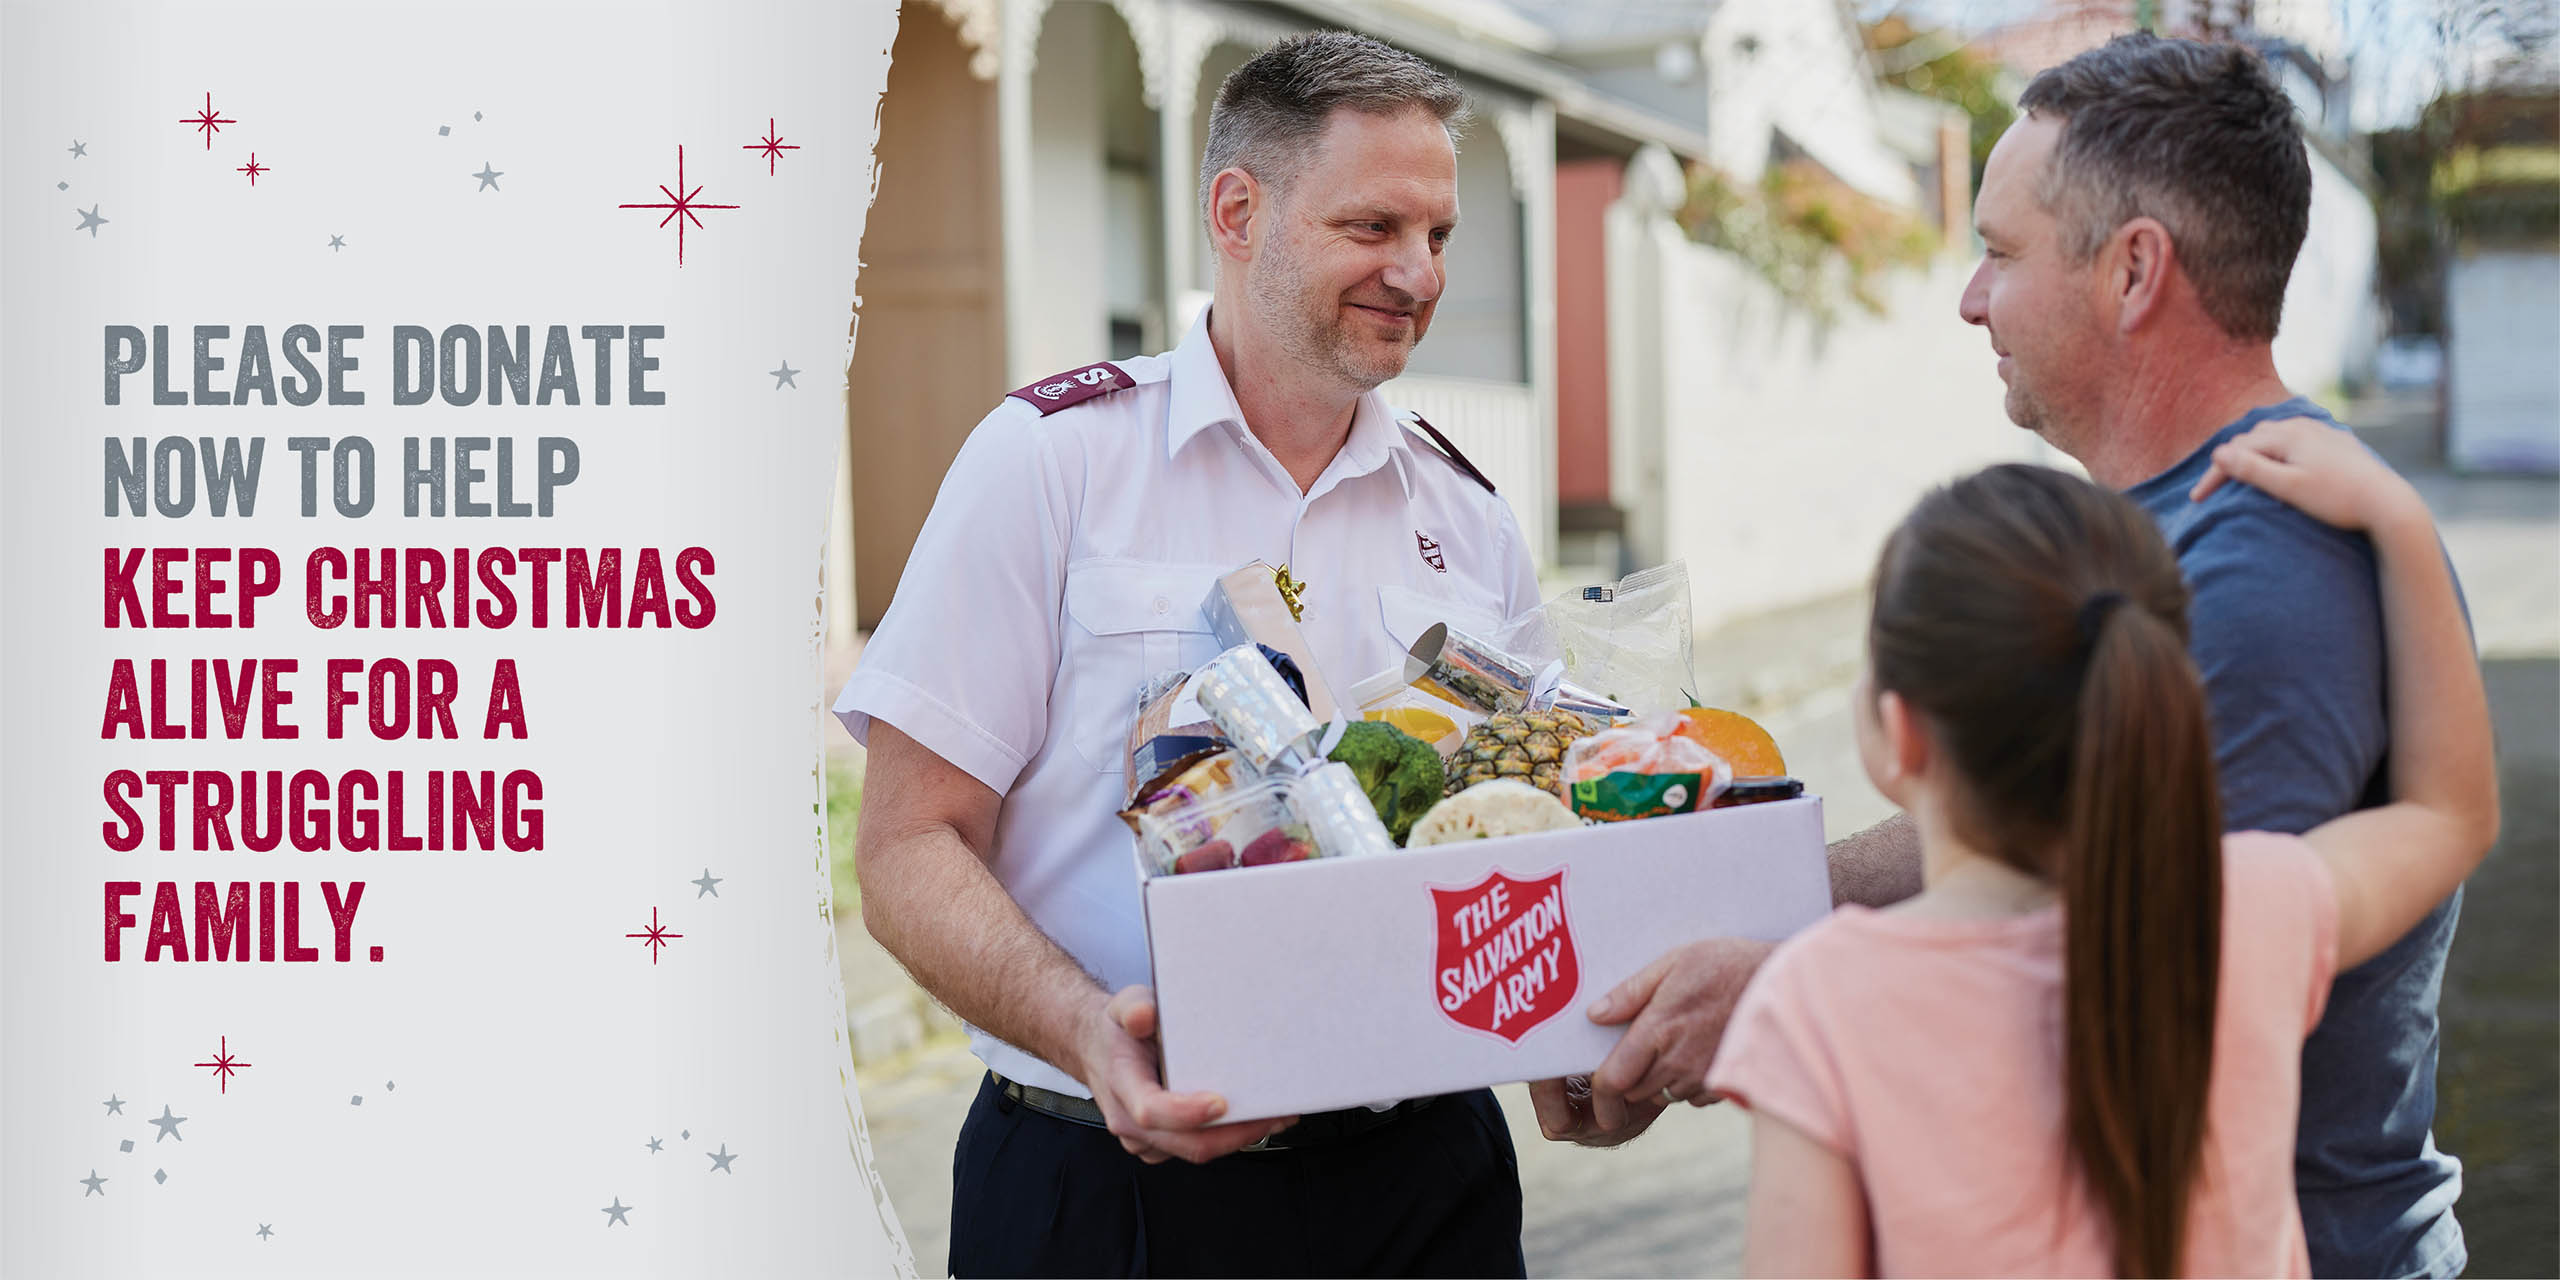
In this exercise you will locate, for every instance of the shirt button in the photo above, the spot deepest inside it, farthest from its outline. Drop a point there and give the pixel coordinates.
(1163, 606)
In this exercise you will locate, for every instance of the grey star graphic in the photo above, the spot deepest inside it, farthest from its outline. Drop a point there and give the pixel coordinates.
(617, 1209)
(720, 1162)
(90, 222)
(97, 1185)
(708, 883)
(169, 1125)
(160, 1176)
(656, 1146)
(114, 1105)
(782, 377)
(337, 242)
(687, 1135)
(488, 177)
(78, 148)
(265, 1229)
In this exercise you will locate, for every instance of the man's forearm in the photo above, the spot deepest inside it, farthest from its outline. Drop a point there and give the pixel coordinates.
(1879, 866)
(929, 900)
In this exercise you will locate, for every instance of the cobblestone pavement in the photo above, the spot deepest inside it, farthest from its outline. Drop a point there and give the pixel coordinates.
(1671, 1203)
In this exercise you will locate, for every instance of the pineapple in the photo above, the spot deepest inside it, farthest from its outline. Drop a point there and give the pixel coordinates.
(1527, 746)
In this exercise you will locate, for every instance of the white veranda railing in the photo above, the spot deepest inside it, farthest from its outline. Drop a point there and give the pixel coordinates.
(1498, 426)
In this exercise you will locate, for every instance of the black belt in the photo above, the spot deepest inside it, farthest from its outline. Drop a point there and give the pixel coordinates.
(1321, 1129)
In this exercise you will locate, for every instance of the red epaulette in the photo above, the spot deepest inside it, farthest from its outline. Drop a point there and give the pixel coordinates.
(1450, 451)
(1074, 387)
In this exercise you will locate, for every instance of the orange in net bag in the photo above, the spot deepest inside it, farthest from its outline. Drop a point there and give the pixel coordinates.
(1737, 738)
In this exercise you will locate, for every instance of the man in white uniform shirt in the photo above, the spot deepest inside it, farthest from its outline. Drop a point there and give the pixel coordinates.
(1064, 562)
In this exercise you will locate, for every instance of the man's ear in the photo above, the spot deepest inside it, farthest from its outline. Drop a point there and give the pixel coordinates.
(2141, 258)
(1236, 204)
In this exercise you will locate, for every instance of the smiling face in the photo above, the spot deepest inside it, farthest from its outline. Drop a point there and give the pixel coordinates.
(2042, 310)
(1352, 268)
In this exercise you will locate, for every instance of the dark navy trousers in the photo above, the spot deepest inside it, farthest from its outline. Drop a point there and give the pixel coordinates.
(1437, 1193)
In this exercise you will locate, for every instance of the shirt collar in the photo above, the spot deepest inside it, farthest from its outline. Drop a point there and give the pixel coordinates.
(1201, 399)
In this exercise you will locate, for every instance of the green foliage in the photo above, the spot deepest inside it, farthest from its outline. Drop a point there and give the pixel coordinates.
(2501, 194)
(2478, 168)
(1401, 773)
(1816, 239)
(844, 810)
(1935, 64)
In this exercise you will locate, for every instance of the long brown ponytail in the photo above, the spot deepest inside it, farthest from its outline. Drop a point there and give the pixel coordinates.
(2039, 623)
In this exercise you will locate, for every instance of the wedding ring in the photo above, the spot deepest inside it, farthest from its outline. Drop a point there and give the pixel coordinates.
(1667, 1099)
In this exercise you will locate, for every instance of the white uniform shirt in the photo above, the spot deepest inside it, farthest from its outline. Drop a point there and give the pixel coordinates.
(1065, 561)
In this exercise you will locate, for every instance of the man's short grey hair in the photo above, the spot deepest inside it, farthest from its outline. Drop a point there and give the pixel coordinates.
(1271, 110)
(2199, 136)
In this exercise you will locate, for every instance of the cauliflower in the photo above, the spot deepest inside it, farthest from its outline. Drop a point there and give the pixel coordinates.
(1501, 807)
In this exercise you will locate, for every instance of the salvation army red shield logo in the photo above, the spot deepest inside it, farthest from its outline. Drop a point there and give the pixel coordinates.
(1505, 963)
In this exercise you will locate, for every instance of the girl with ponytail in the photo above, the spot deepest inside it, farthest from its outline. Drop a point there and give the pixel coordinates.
(2077, 1051)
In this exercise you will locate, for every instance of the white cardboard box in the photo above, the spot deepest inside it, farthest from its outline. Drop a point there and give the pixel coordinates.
(1310, 986)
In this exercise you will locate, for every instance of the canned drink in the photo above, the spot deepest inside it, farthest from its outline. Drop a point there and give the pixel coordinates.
(1253, 707)
(1339, 815)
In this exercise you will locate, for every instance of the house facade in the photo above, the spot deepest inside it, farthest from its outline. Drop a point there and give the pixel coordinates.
(1036, 210)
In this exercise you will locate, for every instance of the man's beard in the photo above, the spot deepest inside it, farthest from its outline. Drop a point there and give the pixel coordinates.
(1311, 327)
(2025, 409)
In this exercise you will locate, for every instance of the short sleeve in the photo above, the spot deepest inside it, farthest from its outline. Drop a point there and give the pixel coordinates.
(1520, 593)
(2288, 638)
(1774, 1060)
(2278, 897)
(965, 657)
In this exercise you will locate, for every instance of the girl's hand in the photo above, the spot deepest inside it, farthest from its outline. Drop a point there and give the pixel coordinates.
(2315, 468)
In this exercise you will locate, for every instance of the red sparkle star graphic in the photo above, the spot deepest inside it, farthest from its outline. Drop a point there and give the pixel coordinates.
(772, 146)
(206, 121)
(224, 1064)
(253, 168)
(657, 935)
(679, 206)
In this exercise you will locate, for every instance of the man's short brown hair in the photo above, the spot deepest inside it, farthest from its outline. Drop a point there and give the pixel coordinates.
(1271, 109)
(2198, 136)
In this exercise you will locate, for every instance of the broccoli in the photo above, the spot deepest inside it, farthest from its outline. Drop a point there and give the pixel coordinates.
(1401, 773)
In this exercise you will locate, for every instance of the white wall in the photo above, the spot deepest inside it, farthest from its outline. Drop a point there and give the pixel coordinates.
(2332, 317)
(1060, 319)
(1787, 449)
(2502, 396)
(1477, 330)
(1791, 65)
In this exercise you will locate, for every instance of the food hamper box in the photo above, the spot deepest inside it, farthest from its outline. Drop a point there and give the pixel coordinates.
(1308, 986)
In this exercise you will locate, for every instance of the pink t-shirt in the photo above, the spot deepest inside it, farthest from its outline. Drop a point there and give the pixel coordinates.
(1928, 1052)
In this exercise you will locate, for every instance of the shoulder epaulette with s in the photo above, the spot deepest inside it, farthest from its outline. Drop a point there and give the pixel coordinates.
(1074, 387)
(1449, 451)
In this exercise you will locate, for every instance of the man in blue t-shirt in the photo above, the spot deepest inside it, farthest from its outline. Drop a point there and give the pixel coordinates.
(2138, 227)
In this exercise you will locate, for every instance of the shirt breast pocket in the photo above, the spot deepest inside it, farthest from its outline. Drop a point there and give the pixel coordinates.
(1133, 619)
(1407, 612)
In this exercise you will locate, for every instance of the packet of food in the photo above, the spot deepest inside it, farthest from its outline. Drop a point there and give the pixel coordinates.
(1643, 770)
(1628, 641)
(1185, 830)
(1155, 742)
(1246, 608)
(1389, 697)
